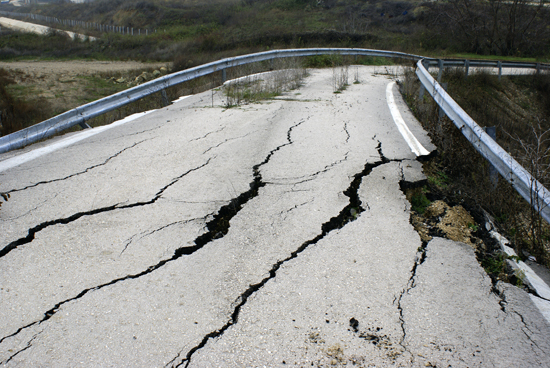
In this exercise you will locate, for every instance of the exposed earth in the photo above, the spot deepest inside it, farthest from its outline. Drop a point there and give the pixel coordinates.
(68, 84)
(76, 67)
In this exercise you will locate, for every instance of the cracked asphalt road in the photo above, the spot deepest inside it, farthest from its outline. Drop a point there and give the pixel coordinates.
(273, 234)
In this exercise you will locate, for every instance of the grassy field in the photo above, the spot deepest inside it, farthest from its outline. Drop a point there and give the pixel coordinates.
(208, 30)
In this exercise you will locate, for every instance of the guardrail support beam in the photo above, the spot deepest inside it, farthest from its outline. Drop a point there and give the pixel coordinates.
(440, 64)
(499, 65)
(85, 125)
(224, 75)
(493, 173)
(466, 67)
(165, 101)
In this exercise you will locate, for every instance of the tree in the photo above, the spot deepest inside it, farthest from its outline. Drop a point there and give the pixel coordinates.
(498, 27)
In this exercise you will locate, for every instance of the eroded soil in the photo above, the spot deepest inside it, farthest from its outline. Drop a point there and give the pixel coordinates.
(68, 84)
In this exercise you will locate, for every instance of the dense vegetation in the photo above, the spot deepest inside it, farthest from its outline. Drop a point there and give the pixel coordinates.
(203, 30)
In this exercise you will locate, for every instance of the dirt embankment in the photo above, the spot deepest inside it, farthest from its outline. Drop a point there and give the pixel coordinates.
(58, 86)
(76, 67)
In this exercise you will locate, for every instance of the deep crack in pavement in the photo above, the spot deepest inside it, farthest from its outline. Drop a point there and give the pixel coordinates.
(349, 213)
(217, 228)
(419, 260)
(33, 231)
(177, 254)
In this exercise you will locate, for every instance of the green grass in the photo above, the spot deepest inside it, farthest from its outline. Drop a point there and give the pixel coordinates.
(419, 203)
(440, 180)
(20, 91)
(491, 57)
(97, 87)
(375, 60)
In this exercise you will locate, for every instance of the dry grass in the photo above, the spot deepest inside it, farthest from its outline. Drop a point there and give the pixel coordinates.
(256, 85)
(17, 112)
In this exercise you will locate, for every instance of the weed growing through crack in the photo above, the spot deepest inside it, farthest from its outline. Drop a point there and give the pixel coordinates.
(419, 201)
(356, 76)
(289, 75)
(340, 78)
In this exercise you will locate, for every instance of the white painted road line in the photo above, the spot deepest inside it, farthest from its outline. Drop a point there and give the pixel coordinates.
(414, 144)
(29, 156)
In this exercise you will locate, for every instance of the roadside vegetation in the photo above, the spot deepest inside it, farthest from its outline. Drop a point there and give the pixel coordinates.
(518, 106)
(207, 30)
(257, 85)
(18, 109)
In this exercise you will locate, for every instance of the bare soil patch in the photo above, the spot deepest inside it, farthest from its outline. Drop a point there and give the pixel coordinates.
(77, 67)
(63, 85)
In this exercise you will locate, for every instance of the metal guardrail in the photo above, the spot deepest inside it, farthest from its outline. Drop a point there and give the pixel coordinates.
(533, 191)
(80, 115)
(526, 185)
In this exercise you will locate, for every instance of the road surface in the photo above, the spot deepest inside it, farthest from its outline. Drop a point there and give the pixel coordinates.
(272, 234)
(18, 25)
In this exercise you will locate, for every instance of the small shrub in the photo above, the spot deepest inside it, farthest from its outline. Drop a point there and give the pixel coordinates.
(323, 61)
(256, 88)
(419, 202)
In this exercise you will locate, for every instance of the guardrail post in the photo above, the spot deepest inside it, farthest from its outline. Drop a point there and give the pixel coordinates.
(421, 92)
(441, 112)
(224, 75)
(466, 67)
(85, 125)
(538, 68)
(165, 101)
(493, 173)
(499, 65)
(440, 64)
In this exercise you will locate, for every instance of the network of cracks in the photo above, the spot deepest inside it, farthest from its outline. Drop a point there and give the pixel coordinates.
(217, 227)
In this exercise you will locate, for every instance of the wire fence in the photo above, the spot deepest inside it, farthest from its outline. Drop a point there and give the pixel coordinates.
(71, 23)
